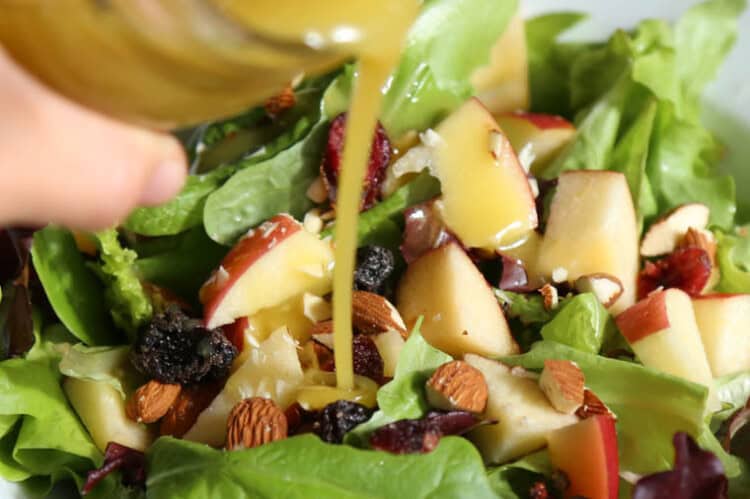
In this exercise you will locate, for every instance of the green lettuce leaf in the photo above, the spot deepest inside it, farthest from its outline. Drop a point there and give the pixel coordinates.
(581, 323)
(514, 480)
(110, 365)
(73, 290)
(180, 263)
(127, 301)
(403, 397)
(449, 40)
(733, 392)
(385, 217)
(528, 308)
(303, 466)
(650, 406)
(260, 191)
(550, 61)
(733, 256)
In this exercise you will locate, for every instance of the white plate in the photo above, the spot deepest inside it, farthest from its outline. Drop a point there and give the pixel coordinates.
(727, 110)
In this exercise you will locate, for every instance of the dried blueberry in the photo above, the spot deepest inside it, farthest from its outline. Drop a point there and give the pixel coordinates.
(174, 348)
(375, 265)
(338, 418)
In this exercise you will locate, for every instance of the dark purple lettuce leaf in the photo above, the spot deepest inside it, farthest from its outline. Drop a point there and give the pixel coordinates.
(697, 474)
(16, 323)
(410, 436)
(129, 462)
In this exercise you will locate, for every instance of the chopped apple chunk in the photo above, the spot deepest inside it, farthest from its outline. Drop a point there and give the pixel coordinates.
(460, 311)
(592, 229)
(524, 415)
(724, 324)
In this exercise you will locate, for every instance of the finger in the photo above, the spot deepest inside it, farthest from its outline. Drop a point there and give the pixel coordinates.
(64, 164)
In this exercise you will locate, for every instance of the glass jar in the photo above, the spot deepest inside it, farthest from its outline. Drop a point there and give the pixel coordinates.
(178, 62)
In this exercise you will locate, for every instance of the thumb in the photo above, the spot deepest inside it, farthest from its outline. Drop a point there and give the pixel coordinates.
(65, 164)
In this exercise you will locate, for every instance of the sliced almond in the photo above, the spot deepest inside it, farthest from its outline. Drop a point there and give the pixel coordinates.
(593, 406)
(185, 410)
(373, 314)
(254, 422)
(457, 386)
(606, 287)
(563, 383)
(550, 296)
(151, 401)
(316, 308)
(664, 235)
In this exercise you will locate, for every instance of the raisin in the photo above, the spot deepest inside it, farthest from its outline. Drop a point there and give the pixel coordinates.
(380, 156)
(174, 348)
(367, 359)
(410, 436)
(688, 269)
(338, 418)
(375, 265)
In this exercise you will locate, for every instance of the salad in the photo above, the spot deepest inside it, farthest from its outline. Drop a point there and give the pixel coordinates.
(551, 296)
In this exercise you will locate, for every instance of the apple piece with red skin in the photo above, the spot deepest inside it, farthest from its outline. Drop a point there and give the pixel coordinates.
(587, 453)
(486, 201)
(592, 229)
(662, 331)
(545, 134)
(270, 265)
(724, 322)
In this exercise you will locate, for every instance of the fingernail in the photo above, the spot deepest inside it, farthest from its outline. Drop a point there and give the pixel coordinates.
(165, 182)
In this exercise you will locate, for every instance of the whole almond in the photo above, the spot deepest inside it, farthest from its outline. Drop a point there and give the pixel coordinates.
(457, 386)
(563, 383)
(254, 422)
(151, 401)
(186, 409)
(373, 314)
(593, 406)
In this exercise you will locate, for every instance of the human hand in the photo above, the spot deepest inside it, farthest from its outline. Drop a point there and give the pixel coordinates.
(62, 163)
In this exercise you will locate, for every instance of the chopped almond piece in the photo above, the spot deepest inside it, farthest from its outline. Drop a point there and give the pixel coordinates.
(457, 386)
(563, 383)
(606, 287)
(665, 234)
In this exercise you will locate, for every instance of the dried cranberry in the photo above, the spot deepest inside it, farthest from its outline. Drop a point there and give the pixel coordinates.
(408, 436)
(339, 418)
(421, 435)
(367, 359)
(380, 156)
(130, 462)
(688, 269)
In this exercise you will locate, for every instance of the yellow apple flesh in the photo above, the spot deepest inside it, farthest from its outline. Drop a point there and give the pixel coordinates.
(102, 411)
(487, 201)
(524, 415)
(460, 311)
(271, 370)
(270, 265)
(724, 324)
(592, 229)
(503, 85)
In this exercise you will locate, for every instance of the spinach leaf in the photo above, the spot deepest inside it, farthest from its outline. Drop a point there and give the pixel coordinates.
(73, 290)
(382, 217)
(258, 192)
(182, 263)
(449, 40)
(181, 213)
(303, 466)
(128, 303)
(581, 323)
(650, 406)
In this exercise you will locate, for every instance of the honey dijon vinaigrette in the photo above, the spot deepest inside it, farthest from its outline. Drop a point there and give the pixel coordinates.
(168, 62)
